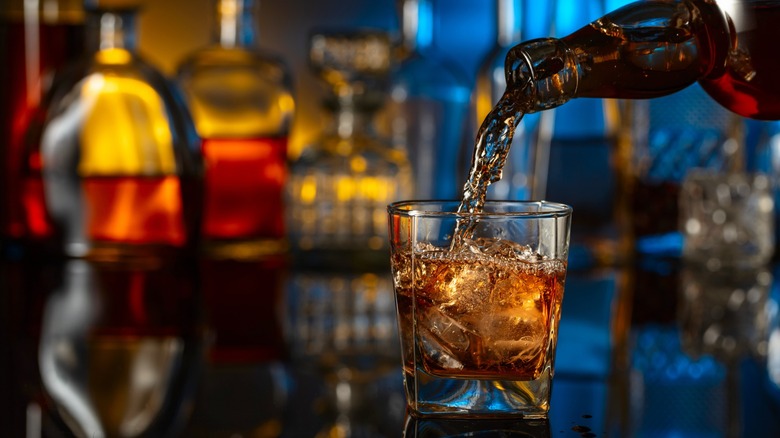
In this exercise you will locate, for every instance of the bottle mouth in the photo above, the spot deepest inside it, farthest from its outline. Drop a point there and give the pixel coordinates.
(545, 69)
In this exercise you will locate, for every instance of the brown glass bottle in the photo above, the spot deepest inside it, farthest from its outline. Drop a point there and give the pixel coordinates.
(654, 48)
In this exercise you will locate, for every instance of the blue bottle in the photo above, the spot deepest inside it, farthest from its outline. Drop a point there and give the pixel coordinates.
(427, 107)
(516, 20)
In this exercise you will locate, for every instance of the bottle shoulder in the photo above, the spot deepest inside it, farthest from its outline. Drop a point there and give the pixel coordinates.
(217, 60)
(421, 71)
(235, 92)
(128, 105)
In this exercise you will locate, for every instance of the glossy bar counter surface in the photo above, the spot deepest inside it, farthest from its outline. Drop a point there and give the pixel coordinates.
(658, 349)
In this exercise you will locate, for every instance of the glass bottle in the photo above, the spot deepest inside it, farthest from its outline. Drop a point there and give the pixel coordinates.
(241, 101)
(339, 186)
(242, 106)
(428, 107)
(650, 49)
(111, 194)
(515, 18)
(114, 172)
(340, 296)
(38, 38)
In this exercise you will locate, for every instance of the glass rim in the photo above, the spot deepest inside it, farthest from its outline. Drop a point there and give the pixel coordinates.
(544, 209)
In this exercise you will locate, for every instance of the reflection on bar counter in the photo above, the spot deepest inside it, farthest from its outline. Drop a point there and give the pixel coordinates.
(110, 371)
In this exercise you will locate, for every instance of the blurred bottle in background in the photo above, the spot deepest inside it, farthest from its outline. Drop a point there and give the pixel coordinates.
(763, 156)
(587, 161)
(114, 172)
(242, 104)
(340, 294)
(428, 107)
(111, 195)
(339, 185)
(516, 20)
(36, 39)
(672, 135)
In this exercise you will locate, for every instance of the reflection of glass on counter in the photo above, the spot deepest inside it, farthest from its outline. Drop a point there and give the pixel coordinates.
(441, 428)
(243, 309)
(120, 349)
(671, 393)
(727, 218)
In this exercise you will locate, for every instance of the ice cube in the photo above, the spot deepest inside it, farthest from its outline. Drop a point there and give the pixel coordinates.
(445, 340)
(459, 286)
(514, 334)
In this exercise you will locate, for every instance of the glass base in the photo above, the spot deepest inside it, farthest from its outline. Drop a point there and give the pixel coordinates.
(431, 396)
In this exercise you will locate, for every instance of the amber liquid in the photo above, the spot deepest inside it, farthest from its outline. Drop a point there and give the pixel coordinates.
(244, 188)
(118, 212)
(27, 68)
(499, 325)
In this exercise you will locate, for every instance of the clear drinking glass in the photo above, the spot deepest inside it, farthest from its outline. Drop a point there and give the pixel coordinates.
(479, 319)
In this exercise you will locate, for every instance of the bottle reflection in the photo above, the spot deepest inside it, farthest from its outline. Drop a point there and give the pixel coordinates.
(342, 328)
(698, 375)
(120, 349)
(723, 313)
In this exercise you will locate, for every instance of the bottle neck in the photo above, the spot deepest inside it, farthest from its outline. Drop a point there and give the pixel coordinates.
(349, 117)
(695, 38)
(508, 19)
(236, 23)
(112, 29)
(417, 24)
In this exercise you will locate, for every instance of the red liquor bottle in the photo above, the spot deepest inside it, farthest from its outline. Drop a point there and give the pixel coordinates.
(242, 105)
(241, 101)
